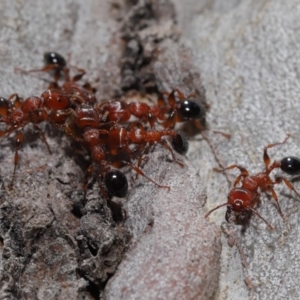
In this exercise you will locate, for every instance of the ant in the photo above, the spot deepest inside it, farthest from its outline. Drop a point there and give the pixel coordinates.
(16, 113)
(243, 199)
(57, 65)
(165, 114)
(118, 147)
(53, 62)
(72, 108)
(186, 109)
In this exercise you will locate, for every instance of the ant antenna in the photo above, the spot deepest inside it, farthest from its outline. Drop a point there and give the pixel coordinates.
(217, 207)
(269, 225)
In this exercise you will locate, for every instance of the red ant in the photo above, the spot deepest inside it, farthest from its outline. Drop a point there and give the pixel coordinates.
(56, 63)
(243, 199)
(166, 115)
(72, 108)
(16, 115)
(118, 147)
(78, 121)
(186, 109)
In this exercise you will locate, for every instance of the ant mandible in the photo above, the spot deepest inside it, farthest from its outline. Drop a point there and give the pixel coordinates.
(243, 199)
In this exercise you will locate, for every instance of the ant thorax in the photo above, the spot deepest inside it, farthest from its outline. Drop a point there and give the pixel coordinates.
(250, 183)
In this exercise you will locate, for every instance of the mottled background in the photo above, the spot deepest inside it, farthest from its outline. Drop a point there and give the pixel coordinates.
(245, 55)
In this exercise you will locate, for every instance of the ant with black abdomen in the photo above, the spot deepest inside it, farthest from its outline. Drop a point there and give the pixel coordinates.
(242, 199)
(106, 130)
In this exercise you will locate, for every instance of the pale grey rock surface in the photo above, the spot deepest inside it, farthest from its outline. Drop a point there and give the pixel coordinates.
(247, 53)
(248, 56)
(175, 254)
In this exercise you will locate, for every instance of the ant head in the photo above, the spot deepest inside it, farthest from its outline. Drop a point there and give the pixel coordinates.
(53, 58)
(239, 201)
(116, 183)
(180, 143)
(190, 109)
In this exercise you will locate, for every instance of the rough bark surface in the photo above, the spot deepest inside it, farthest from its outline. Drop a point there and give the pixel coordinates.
(54, 245)
(246, 52)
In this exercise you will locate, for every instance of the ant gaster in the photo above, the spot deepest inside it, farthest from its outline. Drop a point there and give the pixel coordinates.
(242, 199)
(290, 165)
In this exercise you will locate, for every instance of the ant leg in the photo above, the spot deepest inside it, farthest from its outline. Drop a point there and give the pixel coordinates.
(141, 158)
(17, 103)
(89, 88)
(43, 138)
(140, 172)
(226, 135)
(171, 98)
(81, 73)
(244, 172)
(287, 183)
(275, 197)
(52, 67)
(151, 120)
(165, 144)
(198, 125)
(87, 175)
(161, 101)
(180, 94)
(19, 140)
(269, 225)
(266, 157)
(219, 160)
(171, 120)
(201, 127)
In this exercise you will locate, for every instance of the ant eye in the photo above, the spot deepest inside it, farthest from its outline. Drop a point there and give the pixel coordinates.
(190, 110)
(180, 143)
(290, 165)
(116, 183)
(53, 58)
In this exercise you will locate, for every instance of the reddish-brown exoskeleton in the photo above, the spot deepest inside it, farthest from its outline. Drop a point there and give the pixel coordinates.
(106, 130)
(57, 65)
(245, 194)
(16, 113)
(167, 113)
